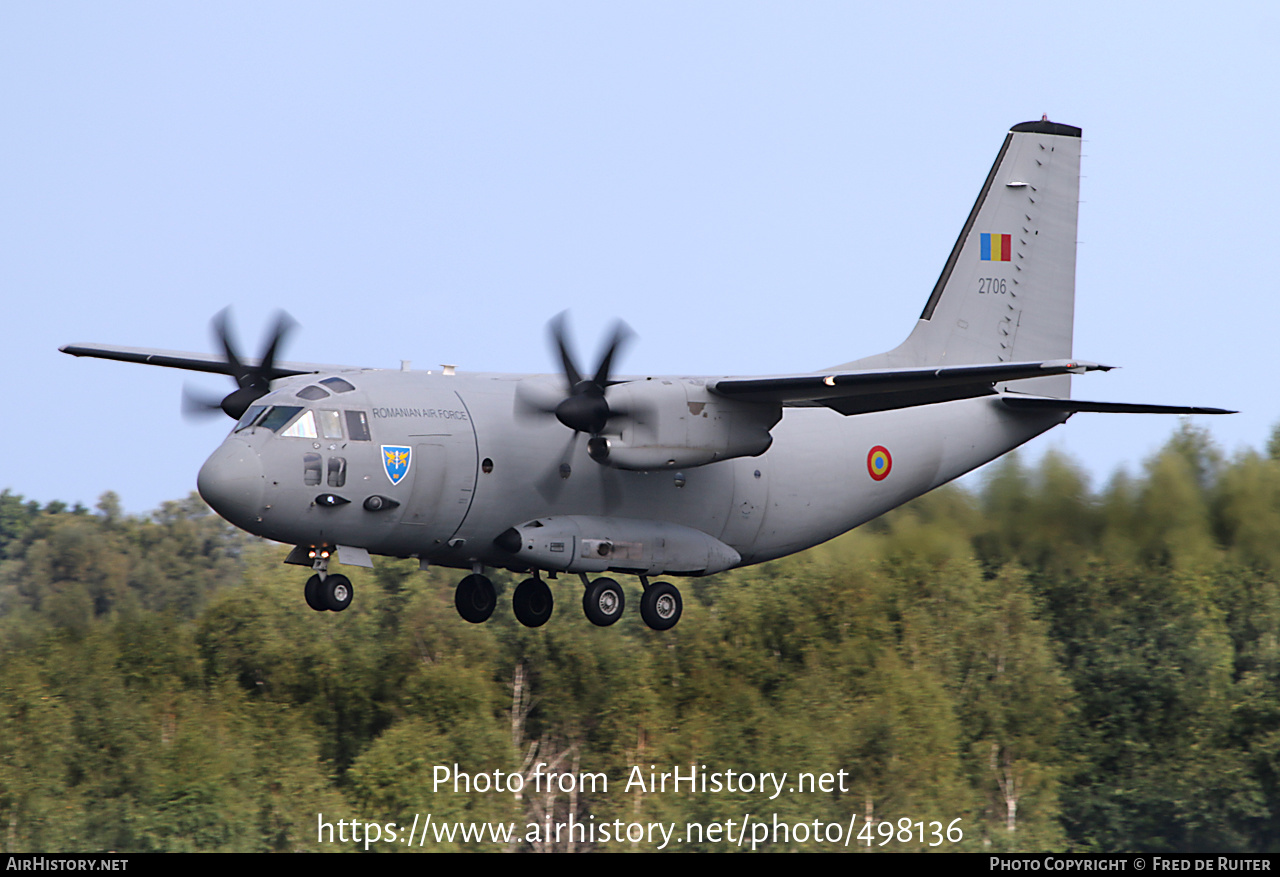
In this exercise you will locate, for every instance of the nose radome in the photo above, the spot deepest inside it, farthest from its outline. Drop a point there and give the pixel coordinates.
(231, 482)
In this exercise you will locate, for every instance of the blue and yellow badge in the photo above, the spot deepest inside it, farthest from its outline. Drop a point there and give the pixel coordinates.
(395, 460)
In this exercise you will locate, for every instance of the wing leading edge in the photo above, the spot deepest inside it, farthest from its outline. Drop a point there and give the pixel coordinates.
(200, 362)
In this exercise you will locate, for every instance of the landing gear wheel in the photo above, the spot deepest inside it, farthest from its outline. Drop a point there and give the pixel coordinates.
(660, 607)
(335, 592)
(603, 602)
(312, 593)
(532, 603)
(475, 599)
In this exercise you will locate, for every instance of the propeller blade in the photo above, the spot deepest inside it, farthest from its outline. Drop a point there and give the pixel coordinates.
(284, 325)
(621, 335)
(222, 334)
(198, 405)
(535, 398)
(551, 483)
(252, 381)
(611, 493)
(571, 373)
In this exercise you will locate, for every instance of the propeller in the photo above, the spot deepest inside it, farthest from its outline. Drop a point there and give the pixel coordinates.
(199, 404)
(586, 409)
(253, 381)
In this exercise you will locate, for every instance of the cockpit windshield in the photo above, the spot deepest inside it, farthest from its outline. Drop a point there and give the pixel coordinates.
(278, 416)
(293, 421)
(249, 417)
(303, 427)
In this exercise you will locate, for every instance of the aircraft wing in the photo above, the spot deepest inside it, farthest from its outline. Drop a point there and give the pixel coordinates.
(200, 362)
(864, 391)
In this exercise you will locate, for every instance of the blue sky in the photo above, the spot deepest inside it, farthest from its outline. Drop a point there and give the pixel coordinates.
(755, 187)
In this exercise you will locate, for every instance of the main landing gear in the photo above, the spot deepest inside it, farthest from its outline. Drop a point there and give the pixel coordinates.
(532, 602)
(475, 600)
(661, 606)
(603, 601)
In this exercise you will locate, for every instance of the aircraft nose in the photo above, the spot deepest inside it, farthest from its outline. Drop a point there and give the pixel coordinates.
(231, 482)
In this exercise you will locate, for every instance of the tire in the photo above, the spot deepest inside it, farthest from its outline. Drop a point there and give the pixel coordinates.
(312, 594)
(475, 599)
(533, 603)
(603, 602)
(661, 606)
(335, 592)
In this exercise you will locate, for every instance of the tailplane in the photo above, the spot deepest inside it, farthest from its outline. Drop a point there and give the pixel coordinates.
(1007, 292)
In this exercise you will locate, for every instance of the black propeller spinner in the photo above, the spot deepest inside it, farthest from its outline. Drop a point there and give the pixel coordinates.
(253, 380)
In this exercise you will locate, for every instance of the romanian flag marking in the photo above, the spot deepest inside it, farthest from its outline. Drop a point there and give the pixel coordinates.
(996, 247)
(879, 463)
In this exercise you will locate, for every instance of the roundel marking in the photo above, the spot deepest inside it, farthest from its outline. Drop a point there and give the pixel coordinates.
(879, 463)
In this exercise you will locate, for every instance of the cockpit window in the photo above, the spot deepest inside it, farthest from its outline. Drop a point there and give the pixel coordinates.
(312, 393)
(330, 424)
(338, 385)
(247, 419)
(303, 427)
(357, 425)
(278, 416)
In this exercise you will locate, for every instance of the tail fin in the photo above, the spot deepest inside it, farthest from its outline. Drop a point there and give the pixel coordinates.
(1007, 293)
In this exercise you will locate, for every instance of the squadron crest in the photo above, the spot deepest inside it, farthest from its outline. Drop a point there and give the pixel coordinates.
(395, 461)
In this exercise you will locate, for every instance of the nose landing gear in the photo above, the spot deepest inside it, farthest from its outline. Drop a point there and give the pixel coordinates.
(324, 592)
(333, 593)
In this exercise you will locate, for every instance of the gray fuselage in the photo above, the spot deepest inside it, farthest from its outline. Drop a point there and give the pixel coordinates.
(477, 468)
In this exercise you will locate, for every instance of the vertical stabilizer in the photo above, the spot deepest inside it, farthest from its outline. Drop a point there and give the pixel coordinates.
(1007, 292)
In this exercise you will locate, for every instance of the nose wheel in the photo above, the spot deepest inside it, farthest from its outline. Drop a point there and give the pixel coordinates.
(332, 593)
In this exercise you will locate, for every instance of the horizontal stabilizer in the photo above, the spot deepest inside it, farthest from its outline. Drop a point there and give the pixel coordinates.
(860, 392)
(1042, 403)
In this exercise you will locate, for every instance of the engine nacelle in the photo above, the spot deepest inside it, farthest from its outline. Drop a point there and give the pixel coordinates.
(678, 424)
(581, 543)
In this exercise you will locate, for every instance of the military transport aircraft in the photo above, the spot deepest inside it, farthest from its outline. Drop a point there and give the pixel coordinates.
(678, 475)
